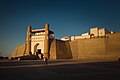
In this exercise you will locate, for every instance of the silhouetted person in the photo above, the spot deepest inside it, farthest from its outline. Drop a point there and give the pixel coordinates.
(45, 60)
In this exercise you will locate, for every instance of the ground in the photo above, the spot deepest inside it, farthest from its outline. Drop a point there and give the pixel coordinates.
(59, 70)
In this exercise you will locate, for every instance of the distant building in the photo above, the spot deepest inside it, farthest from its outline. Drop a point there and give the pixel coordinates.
(99, 32)
(94, 33)
(65, 38)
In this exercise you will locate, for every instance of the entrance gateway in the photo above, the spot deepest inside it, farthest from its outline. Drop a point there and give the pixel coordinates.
(39, 41)
(37, 51)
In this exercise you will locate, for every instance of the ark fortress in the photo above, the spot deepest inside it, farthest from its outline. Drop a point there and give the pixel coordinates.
(99, 43)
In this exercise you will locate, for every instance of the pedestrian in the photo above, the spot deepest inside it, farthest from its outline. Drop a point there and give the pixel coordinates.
(45, 61)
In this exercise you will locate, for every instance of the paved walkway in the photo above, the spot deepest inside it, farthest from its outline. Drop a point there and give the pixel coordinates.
(59, 70)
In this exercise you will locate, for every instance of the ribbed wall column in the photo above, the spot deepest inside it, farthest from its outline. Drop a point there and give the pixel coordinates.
(28, 40)
(46, 41)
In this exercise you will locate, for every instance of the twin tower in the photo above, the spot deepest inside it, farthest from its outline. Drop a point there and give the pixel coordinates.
(40, 38)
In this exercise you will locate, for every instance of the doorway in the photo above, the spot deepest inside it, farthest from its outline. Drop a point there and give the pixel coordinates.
(39, 54)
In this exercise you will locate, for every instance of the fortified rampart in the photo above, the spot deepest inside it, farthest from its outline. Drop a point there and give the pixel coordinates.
(96, 44)
(19, 51)
(60, 50)
(99, 48)
(94, 48)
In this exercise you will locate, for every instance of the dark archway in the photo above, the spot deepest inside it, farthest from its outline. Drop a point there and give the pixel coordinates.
(35, 48)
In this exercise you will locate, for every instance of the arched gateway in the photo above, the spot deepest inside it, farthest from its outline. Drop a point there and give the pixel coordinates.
(38, 41)
(38, 51)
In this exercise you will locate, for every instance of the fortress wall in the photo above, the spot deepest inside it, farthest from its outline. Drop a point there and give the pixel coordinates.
(94, 48)
(14, 53)
(113, 45)
(97, 48)
(63, 50)
(74, 49)
(91, 48)
(53, 49)
(19, 51)
(68, 49)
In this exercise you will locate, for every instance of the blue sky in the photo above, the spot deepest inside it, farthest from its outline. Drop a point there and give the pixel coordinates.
(66, 18)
